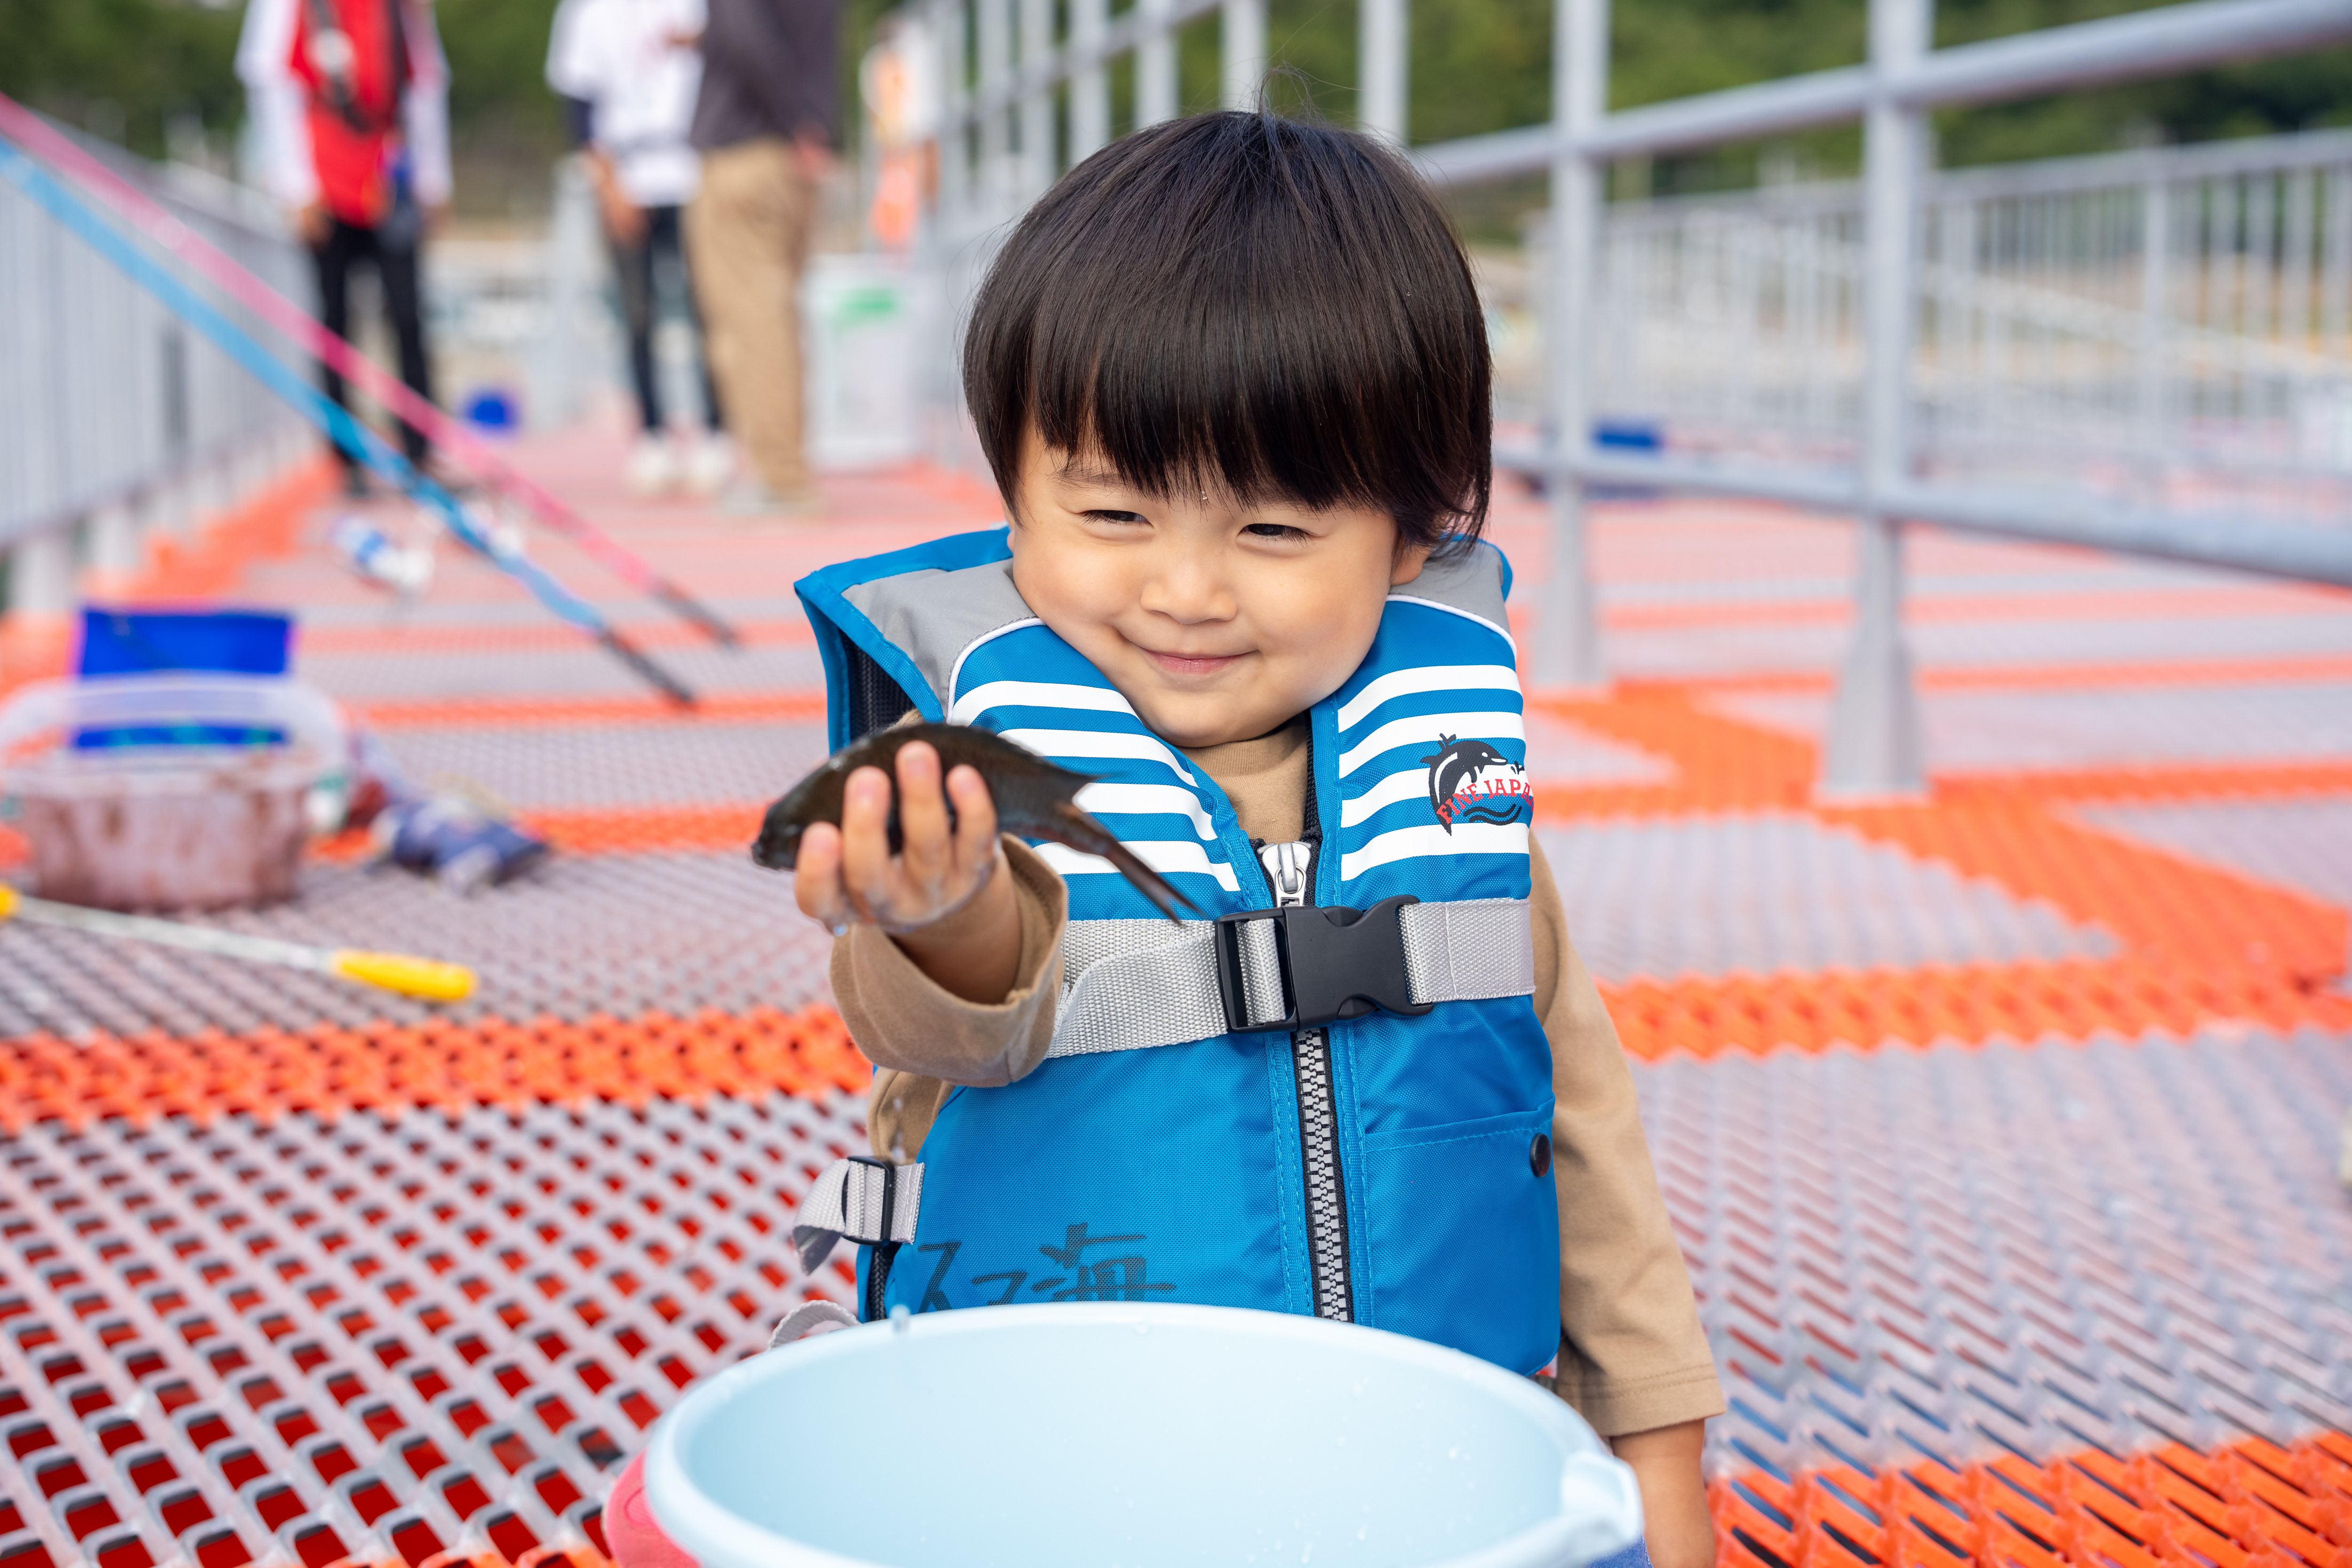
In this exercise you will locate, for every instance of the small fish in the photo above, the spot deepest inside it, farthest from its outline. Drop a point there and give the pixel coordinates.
(1035, 799)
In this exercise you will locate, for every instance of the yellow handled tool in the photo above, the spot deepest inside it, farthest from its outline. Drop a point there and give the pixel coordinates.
(425, 978)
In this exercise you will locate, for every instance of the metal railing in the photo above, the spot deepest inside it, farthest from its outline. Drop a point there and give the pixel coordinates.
(1915, 336)
(2167, 329)
(115, 420)
(1873, 745)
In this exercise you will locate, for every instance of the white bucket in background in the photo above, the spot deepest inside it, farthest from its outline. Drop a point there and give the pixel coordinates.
(863, 314)
(1143, 1436)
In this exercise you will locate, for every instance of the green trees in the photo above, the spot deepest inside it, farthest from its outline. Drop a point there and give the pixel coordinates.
(125, 69)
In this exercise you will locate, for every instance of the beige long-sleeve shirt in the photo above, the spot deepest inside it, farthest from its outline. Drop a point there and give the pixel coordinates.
(1631, 1356)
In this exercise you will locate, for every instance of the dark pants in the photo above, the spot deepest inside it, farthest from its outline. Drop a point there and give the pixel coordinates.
(637, 267)
(395, 268)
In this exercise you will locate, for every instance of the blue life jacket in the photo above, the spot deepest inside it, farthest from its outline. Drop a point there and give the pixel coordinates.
(1193, 1172)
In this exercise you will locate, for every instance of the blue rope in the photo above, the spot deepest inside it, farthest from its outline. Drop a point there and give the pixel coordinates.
(336, 422)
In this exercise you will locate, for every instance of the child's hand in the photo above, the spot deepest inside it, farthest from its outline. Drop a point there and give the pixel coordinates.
(848, 876)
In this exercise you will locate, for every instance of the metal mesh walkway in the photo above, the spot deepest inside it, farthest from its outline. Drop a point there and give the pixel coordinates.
(1999, 1127)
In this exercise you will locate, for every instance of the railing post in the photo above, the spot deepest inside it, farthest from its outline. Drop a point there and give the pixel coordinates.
(1091, 89)
(1568, 640)
(115, 553)
(2335, 268)
(1038, 165)
(2155, 314)
(1155, 66)
(953, 37)
(291, 445)
(996, 124)
(1872, 746)
(560, 363)
(1241, 38)
(1382, 64)
(41, 578)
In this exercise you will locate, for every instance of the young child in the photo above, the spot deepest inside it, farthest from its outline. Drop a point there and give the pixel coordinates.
(1232, 378)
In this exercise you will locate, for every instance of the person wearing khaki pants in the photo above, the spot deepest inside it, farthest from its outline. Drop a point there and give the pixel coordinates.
(748, 231)
(763, 123)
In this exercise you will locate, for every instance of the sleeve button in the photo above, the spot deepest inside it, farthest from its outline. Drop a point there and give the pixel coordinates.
(1539, 1154)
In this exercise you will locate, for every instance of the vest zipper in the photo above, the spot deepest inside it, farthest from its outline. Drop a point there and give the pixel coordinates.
(1289, 871)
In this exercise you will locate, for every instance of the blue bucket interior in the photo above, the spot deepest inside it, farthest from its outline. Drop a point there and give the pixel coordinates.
(1095, 1442)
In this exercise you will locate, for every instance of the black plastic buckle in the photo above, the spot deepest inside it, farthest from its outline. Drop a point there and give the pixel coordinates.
(1337, 963)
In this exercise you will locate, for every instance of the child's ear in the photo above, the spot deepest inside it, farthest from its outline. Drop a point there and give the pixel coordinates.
(1410, 560)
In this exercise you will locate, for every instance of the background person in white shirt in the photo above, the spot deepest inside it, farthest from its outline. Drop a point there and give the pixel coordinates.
(629, 71)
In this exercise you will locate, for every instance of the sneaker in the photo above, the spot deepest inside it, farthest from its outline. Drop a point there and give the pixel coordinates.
(653, 467)
(709, 465)
(750, 498)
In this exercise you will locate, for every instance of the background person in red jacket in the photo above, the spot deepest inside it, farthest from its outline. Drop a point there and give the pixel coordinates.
(351, 101)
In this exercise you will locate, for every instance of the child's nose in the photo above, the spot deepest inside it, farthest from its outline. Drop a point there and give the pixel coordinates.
(1189, 592)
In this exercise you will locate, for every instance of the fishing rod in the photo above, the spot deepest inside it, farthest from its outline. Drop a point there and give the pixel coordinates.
(175, 238)
(347, 432)
(427, 979)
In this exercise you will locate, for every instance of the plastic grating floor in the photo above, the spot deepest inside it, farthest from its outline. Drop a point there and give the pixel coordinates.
(615, 765)
(1977, 731)
(1951, 1256)
(2301, 844)
(584, 935)
(1776, 891)
(1645, 647)
(377, 1336)
(555, 671)
(1996, 1125)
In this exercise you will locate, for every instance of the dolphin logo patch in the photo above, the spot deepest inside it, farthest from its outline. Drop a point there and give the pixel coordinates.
(1470, 781)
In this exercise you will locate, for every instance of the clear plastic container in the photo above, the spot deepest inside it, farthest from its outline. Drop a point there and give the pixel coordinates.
(133, 792)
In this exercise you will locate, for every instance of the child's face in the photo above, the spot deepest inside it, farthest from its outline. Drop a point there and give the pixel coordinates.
(1218, 621)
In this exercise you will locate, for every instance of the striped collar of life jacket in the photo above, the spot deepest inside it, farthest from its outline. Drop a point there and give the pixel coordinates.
(1420, 757)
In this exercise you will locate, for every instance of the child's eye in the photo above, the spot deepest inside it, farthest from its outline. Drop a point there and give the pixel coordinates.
(1280, 533)
(1120, 517)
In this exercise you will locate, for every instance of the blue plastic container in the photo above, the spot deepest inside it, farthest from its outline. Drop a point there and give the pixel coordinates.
(239, 644)
(1145, 1436)
(494, 411)
(220, 642)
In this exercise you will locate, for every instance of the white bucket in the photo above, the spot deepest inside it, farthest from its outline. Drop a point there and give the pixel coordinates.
(1144, 1435)
(865, 315)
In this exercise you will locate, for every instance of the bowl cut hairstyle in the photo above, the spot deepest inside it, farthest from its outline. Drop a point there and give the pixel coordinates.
(1279, 307)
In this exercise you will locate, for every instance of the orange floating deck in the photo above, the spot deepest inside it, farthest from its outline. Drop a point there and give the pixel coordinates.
(1999, 1125)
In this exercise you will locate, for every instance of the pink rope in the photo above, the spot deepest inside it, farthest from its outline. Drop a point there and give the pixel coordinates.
(175, 238)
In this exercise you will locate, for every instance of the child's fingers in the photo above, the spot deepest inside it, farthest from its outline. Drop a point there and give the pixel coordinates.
(865, 842)
(817, 876)
(975, 830)
(922, 817)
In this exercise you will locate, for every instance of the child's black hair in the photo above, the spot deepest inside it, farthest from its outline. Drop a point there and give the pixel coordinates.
(1281, 306)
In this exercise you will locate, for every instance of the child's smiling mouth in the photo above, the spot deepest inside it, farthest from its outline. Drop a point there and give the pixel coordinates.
(1192, 664)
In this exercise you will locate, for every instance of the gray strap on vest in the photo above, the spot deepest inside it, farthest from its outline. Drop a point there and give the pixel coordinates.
(858, 1199)
(1129, 985)
(811, 1317)
(1133, 984)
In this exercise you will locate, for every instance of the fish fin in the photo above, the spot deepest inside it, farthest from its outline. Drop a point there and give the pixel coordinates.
(1073, 826)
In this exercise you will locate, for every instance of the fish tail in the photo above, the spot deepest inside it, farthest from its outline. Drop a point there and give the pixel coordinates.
(1073, 826)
